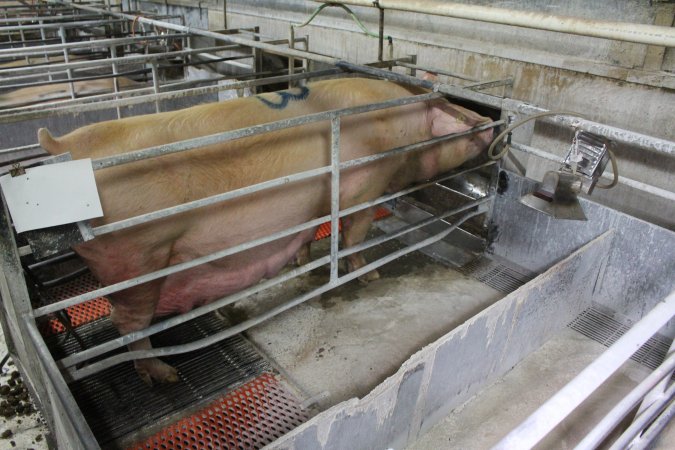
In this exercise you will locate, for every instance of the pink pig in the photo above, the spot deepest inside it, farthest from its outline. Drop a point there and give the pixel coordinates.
(144, 186)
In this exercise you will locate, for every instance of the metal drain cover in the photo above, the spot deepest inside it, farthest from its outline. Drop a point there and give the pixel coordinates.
(604, 326)
(498, 275)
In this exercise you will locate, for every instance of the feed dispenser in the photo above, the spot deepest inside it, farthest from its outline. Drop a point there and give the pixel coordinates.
(585, 162)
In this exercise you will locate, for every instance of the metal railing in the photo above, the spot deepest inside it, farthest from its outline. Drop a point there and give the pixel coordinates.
(471, 208)
(567, 399)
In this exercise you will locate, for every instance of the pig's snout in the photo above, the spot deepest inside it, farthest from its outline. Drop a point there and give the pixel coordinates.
(485, 137)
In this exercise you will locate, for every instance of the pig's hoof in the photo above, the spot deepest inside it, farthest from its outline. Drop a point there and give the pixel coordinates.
(370, 276)
(151, 370)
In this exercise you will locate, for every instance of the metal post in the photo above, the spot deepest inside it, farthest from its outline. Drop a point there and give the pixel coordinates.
(46, 54)
(116, 82)
(155, 83)
(66, 59)
(380, 36)
(334, 197)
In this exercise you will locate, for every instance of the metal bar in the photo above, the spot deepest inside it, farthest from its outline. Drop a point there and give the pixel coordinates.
(66, 59)
(50, 26)
(622, 31)
(176, 268)
(553, 411)
(105, 347)
(236, 249)
(644, 419)
(46, 18)
(218, 36)
(650, 189)
(435, 70)
(334, 197)
(416, 226)
(600, 432)
(155, 84)
(247, 190)
(192, 346)
(613, 133)
(659, 389)
(203, 141)
(8, 116)
(39, 49)
(25, 71)
(454, 91)
(489, 84)
(71, 410)
(166, 212)
(645, 440)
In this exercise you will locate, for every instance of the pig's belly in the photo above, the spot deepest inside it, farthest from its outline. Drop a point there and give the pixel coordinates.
(186, 290)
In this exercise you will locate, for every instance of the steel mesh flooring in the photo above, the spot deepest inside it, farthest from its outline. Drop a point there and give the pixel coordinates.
(495, 274)
(116, 402)
(601, 325)
(249, 417)
(120, 408)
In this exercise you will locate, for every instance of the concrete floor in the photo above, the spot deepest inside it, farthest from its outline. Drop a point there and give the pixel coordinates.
(24, 430)
(486, 418)
(346, 342)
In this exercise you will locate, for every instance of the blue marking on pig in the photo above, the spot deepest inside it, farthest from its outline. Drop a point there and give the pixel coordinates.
(285, 97)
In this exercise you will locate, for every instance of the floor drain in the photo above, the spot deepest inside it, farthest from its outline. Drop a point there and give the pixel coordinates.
(604, 326)
(495, 274)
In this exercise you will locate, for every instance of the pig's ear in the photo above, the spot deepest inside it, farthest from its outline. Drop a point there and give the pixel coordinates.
(430, 76)
(446, 119)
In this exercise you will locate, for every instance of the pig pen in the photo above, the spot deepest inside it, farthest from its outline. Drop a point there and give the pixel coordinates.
(325, 364)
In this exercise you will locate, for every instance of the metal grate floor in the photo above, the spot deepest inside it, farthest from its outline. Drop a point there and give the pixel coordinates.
(498, 276)
(120, 409)
(249, 417)
(600, 324)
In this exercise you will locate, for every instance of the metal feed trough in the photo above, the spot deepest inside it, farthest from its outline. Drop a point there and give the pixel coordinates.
(612, 261)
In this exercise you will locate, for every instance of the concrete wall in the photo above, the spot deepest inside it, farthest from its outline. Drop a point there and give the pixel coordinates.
(617, 83)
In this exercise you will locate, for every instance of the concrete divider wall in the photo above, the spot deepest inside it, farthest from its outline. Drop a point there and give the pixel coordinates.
(640, 267)
(448, 372)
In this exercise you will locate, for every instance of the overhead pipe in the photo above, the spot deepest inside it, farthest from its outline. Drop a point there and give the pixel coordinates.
(620, 31)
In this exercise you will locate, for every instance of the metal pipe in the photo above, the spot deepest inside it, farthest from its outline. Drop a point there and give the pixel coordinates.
(39, 49)
(644, 419)
(58, 388)
(554, 410)
(334, 196)
(247, 190)
(232, 250)
(600, 432)
(49, 26)
(201, 343)
(210, 34)
(645, 440)
(621, 31)
(60, 67)
(38, 111)
(75, 359)
(116, 287)
(203, 141)
(612, 133)
(650, 189)
(105, 347)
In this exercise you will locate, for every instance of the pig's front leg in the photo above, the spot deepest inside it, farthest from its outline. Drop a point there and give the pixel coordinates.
(133, 310)
(303, 255)
(354, 230)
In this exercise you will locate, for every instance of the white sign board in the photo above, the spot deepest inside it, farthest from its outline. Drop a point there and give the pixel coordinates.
(54, 194)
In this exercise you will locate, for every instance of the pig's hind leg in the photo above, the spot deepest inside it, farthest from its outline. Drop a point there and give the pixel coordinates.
(133, 310)
(354, 230)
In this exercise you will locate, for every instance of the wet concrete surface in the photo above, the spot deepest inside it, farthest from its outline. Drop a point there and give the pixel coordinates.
(486, 418)
(347, 341)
